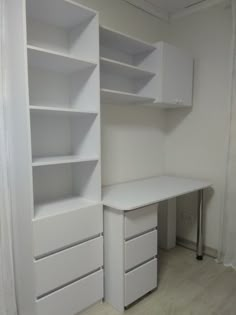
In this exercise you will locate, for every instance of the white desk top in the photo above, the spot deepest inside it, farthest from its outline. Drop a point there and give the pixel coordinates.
(140, 193)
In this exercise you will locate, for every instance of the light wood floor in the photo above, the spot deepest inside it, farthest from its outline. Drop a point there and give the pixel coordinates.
(186, 287)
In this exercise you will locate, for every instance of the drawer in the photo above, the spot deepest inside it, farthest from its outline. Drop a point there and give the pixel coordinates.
(59, 231)
(59, 269)
(74, 298)
(140, 249)
(140, 281)
(140, 220)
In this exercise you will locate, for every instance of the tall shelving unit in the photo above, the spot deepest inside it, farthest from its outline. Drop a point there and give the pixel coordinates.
(60, 62)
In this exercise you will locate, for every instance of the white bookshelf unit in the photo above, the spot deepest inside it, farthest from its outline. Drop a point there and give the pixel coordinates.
(136, 72)
(64, 215)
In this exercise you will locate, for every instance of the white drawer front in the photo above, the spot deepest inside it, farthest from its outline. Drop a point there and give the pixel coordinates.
(73, 298)
(56, 232)
(140, 220)
(140, 249)
(140, 281)
(61, 268)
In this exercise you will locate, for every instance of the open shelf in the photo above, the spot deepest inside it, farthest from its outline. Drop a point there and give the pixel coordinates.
(56, 160)
(59, 206)
(54, 61)
(119, 97)
(64, 135)
(128, 44)
(63, 26)
(124, 69)
(61, 110)
(64, 14)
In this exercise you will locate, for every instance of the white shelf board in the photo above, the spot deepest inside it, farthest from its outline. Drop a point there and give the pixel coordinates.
(140, 193)
(61, 206)
(61, 13)
(61, 110)
(129, 44)
(124, 69)
(55, 61)
(119, 97)
(55, 160)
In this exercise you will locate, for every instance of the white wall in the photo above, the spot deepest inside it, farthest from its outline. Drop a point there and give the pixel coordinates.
(197, 139)
(133, 140)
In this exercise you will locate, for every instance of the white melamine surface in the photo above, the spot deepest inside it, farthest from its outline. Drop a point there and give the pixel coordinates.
(60, 206)
(73, 298)
(119, 97)
(59, 269)
(140, 281)
(61, 110)
(124, 69)
(131, 45)
(140, 193)
(68, 227)
(68, 159)
(140, 249)
(58, 62)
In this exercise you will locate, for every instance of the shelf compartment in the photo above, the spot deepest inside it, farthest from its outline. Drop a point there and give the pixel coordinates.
(67, 136)
(129, 44)
(123, 69)
(119, 97)
(58, 62)
(61, 110)
(48, 88)
(65, 181)
(63, 26)
(68, 159)
(125, 49)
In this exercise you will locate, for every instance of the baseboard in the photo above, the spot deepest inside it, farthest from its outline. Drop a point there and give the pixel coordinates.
(191, 245)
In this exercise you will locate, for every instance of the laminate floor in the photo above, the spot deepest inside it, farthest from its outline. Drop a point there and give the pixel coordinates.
(186, 287)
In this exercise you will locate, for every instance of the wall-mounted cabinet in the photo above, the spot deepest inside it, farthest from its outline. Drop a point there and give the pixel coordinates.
(133, 72)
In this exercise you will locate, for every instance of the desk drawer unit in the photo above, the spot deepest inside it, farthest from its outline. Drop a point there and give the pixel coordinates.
(130, 239)
(140, 281)
(69, 265)
(53, 233)
(140, 249)
(141, 220)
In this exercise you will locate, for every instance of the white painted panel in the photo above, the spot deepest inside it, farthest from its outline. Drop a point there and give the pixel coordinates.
(140, 281)
(56, 232)
(71, 264)
(140, 249)
(114, 258)
(73, 298)
(140, 220)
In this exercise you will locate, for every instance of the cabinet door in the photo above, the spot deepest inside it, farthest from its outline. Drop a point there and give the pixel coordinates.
(177, 77)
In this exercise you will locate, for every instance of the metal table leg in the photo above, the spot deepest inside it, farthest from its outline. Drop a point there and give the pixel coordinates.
(199, 250)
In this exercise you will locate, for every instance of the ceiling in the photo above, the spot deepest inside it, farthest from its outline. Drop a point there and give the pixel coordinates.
(173, 6)
(167, 9)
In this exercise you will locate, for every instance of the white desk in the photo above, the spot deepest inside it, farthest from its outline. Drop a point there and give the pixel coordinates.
(131, 234)
(135, 194)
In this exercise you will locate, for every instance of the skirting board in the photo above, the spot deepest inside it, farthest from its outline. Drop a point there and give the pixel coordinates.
(191, 245)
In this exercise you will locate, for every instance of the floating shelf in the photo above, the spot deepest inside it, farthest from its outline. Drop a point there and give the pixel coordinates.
(57, 62)
(65, 14)
(67, 159)
(118, 97)
(61, 110)
(130, 45)
(123, 69)
(61, 206)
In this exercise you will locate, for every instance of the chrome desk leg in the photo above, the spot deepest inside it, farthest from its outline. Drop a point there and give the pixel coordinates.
(200, 226)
